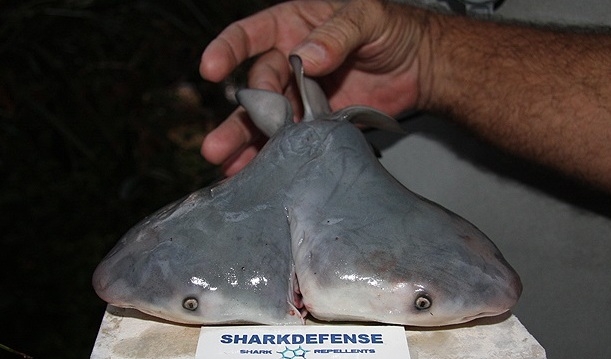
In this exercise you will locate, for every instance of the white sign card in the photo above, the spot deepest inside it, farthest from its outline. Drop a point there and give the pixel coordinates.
(303, 342)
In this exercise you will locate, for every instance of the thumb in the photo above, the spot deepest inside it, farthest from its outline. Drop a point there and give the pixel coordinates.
(328, 45)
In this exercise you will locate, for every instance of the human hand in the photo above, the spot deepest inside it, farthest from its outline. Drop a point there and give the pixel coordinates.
(364, 52)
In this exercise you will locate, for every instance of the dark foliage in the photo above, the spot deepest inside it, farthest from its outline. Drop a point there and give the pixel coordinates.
(102, 113)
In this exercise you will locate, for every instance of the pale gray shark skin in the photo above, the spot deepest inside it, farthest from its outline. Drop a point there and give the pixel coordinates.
(368, 249)
(226, 246)
(313, 224)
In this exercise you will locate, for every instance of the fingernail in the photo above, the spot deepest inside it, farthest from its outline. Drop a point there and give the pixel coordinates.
(265, 85)
(311, 52)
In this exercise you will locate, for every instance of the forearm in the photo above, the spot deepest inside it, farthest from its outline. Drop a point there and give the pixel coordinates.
(540, 94)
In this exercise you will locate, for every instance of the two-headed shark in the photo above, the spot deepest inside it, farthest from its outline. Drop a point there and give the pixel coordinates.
(314, 224)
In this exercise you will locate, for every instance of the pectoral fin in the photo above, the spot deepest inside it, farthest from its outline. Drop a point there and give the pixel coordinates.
(369, 117)
(268, 110)
(315, 104)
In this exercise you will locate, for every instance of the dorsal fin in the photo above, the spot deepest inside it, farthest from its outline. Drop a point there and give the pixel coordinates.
(315, 104)
(268, 110)
(369, 117)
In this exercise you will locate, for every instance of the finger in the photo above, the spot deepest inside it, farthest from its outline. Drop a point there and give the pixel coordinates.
(229, 138)
(270, 72)
(241, 158)
(238, 42)
(326, 48)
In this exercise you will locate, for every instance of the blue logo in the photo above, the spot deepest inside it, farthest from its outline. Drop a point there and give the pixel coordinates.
(293, 353)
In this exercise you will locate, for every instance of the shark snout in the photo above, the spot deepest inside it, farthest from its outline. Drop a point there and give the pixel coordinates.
(107, 285)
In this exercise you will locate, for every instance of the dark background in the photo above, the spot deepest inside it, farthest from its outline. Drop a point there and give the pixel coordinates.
(102, 112)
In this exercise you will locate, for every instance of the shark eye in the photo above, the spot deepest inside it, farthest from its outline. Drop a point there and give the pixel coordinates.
(190, 304)
(423, 302)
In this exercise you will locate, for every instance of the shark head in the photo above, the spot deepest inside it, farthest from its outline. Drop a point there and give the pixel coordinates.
(146, 269)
